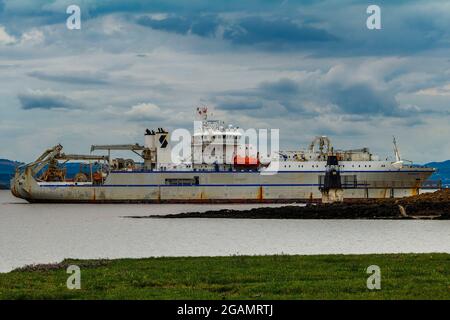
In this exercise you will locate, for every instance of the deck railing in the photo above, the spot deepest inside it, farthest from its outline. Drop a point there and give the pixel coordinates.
(351, 182)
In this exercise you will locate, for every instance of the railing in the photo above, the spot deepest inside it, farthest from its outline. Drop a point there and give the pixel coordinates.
(347, 182)
(351, 182)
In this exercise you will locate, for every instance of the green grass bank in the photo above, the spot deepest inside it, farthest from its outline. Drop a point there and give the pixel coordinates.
(403, 276)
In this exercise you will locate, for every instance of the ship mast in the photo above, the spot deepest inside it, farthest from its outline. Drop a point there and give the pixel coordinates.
(396, 152)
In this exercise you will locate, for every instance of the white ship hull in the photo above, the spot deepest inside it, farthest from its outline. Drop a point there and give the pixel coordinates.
(222, 187)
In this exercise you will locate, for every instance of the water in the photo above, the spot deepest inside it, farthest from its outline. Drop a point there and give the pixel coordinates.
(45, 233)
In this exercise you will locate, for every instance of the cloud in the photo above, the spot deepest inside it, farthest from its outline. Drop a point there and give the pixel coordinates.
(362, 98)
(323, 27)
(144, 112)
(316, 93)
(274, 33)
(30, 37)
(33, 37)
(202, 25)
(72, 77)
(236, 102)
(94, 8)
(282, 87)
(5, 38)
(171, 24)
(37, 99)
(436, 91)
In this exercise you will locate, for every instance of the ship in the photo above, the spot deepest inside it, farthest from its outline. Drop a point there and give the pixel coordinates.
(235, 175)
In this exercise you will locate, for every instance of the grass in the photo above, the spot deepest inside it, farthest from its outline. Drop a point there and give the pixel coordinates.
(403, 276)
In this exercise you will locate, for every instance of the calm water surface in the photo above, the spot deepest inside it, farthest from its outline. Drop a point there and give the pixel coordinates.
(44, 233)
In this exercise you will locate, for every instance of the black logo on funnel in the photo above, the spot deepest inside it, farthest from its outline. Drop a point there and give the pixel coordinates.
(163, 140)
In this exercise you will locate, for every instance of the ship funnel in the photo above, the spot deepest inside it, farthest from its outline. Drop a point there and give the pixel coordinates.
(150, 139)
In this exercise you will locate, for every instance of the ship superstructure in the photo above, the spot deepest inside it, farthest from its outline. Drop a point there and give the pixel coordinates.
(221, 167)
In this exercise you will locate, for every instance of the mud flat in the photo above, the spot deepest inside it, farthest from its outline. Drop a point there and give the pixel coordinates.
(427, 206)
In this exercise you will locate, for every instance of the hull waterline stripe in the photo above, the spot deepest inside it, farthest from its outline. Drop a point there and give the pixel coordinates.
(199, 185)
(276, 172)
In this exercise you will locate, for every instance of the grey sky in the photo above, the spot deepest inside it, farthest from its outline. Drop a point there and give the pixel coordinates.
(306, 67)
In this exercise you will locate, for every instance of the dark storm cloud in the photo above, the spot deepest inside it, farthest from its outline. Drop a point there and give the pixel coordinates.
(282, 87)
(364, 99)
(237, 102)
(171, 24)
(45, 100)
(348, 99)
(255, 30)
(275, 32)
(95, 8)
(203, 25)
(323, 28)
(80, 78)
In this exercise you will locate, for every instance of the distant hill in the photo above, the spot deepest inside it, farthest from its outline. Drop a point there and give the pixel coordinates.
(7, 168)
(443, 171)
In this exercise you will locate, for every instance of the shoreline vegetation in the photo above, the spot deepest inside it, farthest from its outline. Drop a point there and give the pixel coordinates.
(403, 276)
(427, 206)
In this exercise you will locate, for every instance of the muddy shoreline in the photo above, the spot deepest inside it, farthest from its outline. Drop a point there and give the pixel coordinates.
(433, 206)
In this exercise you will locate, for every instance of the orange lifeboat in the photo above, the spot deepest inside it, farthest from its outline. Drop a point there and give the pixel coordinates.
(97, 177)
(246, 161)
